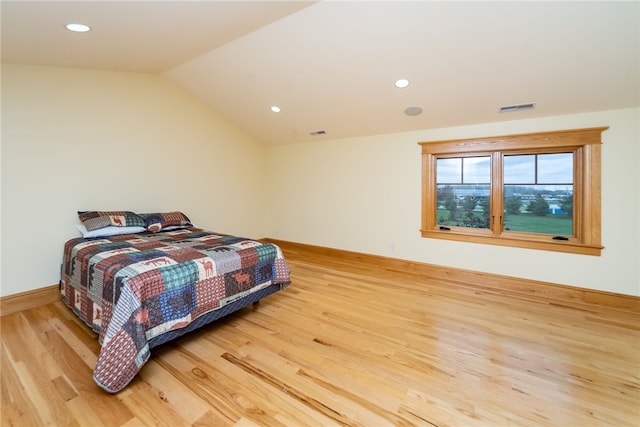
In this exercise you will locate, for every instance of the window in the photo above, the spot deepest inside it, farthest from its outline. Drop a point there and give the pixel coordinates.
(539, 191)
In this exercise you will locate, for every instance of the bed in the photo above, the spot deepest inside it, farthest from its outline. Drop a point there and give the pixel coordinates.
(141, 289)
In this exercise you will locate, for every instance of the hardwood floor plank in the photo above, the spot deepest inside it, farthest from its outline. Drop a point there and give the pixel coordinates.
(37, 370)
(82, 412)
(253, 398)
(183, 401)
(72, 361)
(64, 388)
(17, 407)
(153, 406)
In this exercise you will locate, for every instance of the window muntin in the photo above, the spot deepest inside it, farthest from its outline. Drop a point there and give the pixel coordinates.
(563, 167)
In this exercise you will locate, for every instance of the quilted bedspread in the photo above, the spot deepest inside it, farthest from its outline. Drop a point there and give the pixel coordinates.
(131, 288)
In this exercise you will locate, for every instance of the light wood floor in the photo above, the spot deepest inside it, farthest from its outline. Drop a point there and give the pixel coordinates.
(344, 346)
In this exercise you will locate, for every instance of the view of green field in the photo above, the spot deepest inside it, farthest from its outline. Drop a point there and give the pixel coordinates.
(561, 225)
(551, 224)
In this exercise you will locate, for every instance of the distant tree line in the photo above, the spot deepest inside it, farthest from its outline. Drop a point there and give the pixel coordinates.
(538, 206)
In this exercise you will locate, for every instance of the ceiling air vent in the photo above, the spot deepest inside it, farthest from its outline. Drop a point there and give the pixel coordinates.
(317, 132)
(518, 107)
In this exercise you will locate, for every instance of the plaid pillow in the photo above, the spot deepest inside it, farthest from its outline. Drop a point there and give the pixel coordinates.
(158, 221)
(94, 220)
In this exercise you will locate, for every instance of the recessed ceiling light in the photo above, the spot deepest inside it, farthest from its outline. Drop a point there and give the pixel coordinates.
(402, 83)
(275, 108)
(78, 28)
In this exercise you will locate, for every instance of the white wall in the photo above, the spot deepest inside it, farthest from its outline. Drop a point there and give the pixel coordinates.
(363, 194)
(92, 140)
(79, 140)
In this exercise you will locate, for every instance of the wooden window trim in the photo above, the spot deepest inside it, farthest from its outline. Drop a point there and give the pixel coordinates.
(586, 144)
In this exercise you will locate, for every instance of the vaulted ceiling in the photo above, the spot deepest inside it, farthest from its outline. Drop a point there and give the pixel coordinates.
(331, 65)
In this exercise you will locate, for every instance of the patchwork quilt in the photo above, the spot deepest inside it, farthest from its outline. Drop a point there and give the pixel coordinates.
(133, 287)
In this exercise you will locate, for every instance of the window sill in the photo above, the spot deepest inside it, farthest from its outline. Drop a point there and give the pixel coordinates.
(516, 241)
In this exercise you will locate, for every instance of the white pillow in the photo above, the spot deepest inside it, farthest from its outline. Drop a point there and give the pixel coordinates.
(111, 230)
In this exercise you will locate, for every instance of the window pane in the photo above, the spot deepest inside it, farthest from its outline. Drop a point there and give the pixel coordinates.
(555, 168)
(476, 170)
(465, 205)
(545, 209)
(539, 169)
(520, 169)
(449, 171)
(463, 186)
